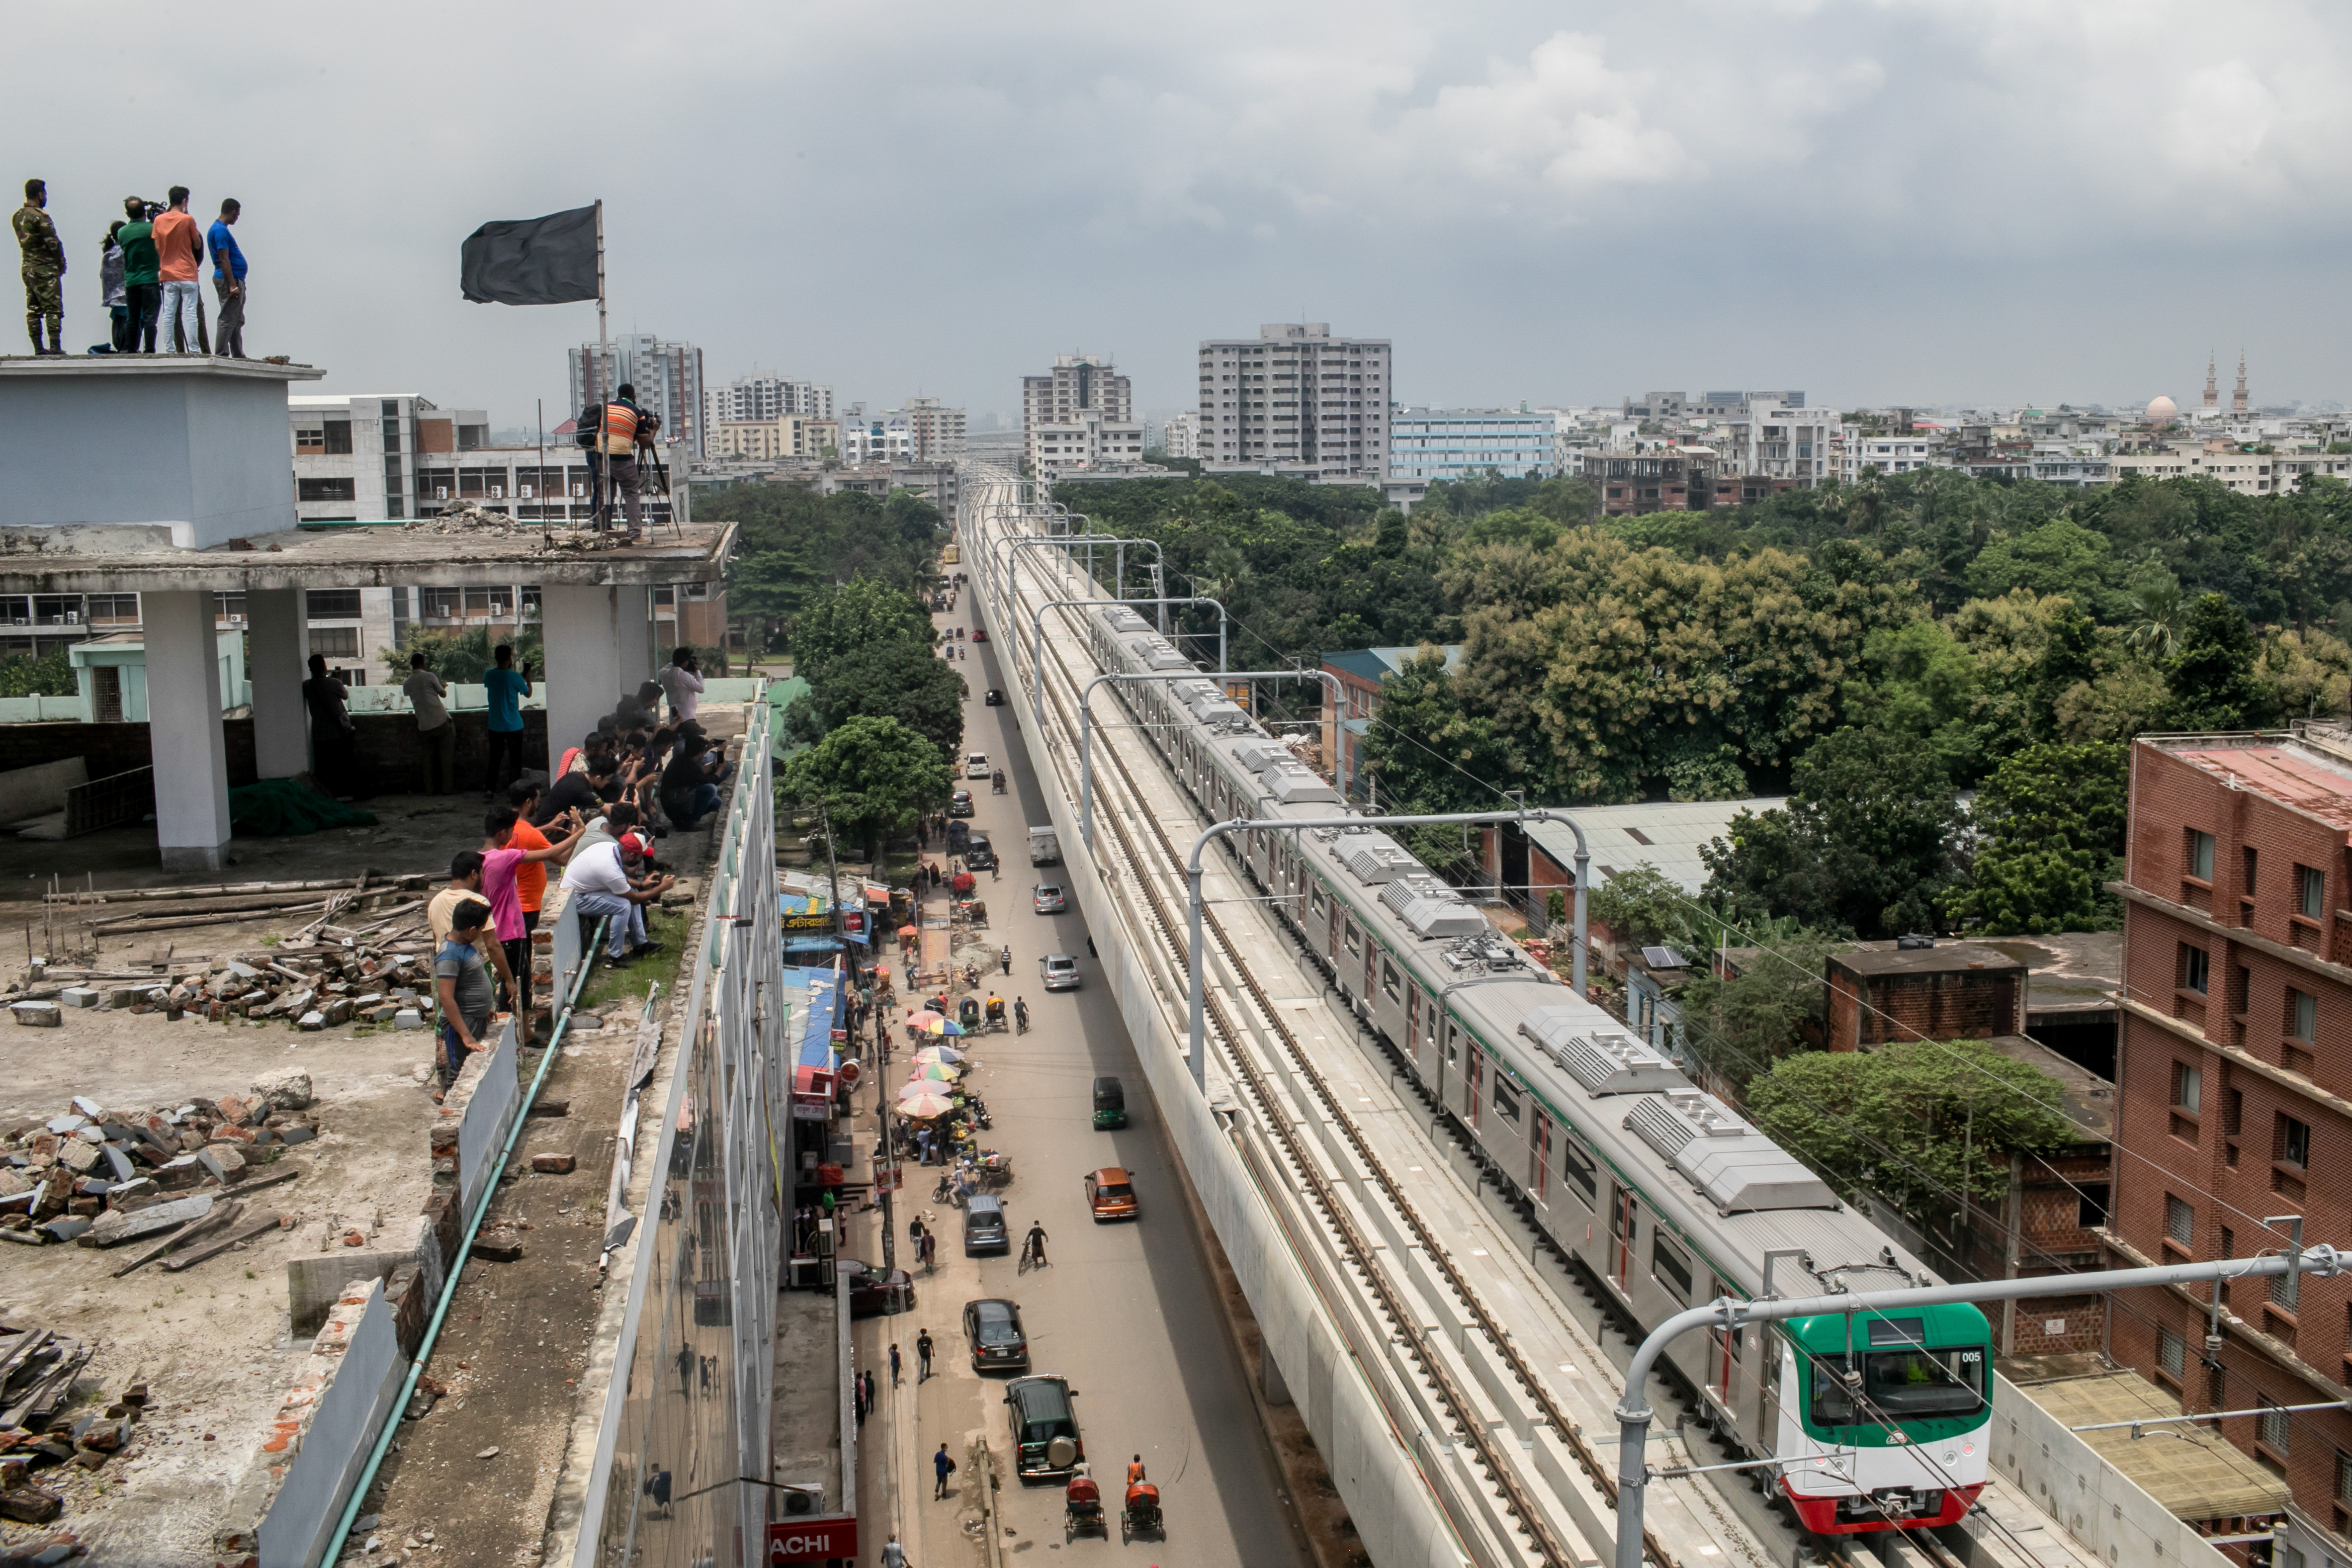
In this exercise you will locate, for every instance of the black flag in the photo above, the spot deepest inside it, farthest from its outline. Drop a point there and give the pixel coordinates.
(548, 260)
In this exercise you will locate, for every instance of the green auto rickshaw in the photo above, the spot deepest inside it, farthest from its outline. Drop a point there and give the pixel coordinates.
(1110, 1105)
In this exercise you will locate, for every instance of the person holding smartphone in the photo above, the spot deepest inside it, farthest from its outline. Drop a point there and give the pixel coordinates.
(505, 687)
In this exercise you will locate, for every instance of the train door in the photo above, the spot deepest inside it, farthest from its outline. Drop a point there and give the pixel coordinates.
(1371, 956)
(1539, 1157)
(1723, 1359)
(1473, 1072)
(1412, 1022)
(1624, 1219)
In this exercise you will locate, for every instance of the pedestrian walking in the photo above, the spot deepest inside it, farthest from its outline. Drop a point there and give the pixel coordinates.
(44, 269)
(893, 1364)
(504, 687)
(141, 289)
(942, 1466)
(112, 293)
(436, 733)
(858, 1398)
(179, 251)
(930, 1249)
(229, 282)
(893, 1555)
(922, 1357)
(870, 1403)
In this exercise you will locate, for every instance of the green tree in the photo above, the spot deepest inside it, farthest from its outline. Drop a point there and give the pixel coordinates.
(1429, 756)
(1777, 1000)
(873, 775)
(51, 675)
(1644, 907)
(1914, 1123)
(2060, 556)
(887, 679)
(459, 657)
(2211, 678)
(860, 613)
(1866, 844)
(2052, 818)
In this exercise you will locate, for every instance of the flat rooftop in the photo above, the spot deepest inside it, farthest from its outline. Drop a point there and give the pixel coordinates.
(2310, 771)
(2070, 971)
(1878, 960)
(102, 558)
(2089, 1100)
(2196, 1476)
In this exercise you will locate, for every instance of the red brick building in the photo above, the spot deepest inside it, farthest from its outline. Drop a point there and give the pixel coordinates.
(1951, 991)
(2235, 1082)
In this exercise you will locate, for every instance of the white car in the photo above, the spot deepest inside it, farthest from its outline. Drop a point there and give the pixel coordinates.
(1060, 972)
(976, 766)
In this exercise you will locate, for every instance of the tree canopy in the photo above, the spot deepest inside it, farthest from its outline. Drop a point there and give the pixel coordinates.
(874, 776)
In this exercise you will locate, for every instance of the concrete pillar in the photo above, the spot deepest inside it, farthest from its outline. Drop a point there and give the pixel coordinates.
(183, 729)
(599, 644)
(273, 629)
(1270, 1378)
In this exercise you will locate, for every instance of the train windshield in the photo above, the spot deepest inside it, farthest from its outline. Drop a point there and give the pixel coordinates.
(1906, 1385)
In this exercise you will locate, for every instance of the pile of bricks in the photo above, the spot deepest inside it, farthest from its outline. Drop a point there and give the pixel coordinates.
(314, 987)
(31, 1441)
(92, 1174)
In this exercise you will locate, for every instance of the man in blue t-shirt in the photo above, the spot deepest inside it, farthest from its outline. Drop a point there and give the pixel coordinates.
(505, 687)
(228, 280)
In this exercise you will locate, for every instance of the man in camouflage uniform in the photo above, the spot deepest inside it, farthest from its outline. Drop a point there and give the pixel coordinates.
(45, 268)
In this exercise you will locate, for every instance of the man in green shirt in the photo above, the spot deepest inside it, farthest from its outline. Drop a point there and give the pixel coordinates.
(143, 283)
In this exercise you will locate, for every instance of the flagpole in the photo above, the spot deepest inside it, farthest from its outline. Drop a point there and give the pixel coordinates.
(600, 298)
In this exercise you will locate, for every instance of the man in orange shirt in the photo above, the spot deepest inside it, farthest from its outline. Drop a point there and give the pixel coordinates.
(530, 876)
(179, 251)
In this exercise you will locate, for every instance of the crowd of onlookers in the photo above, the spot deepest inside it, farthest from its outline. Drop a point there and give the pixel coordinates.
(597, 822)
(150, 273)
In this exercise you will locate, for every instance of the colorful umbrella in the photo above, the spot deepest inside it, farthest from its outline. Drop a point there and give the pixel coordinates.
(948, 1054)
(924, 1104)
(922, 1018)
(946, 1027)
(934, 1072)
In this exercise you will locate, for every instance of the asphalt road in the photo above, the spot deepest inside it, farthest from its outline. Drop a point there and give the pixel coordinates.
(1125, 1311)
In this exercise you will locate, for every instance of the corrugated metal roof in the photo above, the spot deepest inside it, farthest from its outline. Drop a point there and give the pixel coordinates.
(1666, 834)
(1376, 664)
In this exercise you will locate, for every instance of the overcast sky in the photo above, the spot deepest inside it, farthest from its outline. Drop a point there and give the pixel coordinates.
(1939, 202)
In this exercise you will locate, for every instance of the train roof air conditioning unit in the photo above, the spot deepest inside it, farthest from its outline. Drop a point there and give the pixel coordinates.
(1602, 1061)
(1376, 858)
(1431, 908)
(1734, 1166)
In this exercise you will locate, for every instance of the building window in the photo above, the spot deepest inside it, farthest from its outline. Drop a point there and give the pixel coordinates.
(2310, 892)
(2301, 1014)
(2188, 1089)
(2271, 1427)
(335, 642)
(229, 607)
(2090, 1205)
(2196, 968)
(2171, 1352)
(326, 489)
(2180, 1222)
(1669, 1267)
(334, 604)
(2294, 1141)
(2201, 856)
(309, 442)
(113, 609)
(337, 434)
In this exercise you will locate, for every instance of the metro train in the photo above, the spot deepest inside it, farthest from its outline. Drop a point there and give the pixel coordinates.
(1869, 1421)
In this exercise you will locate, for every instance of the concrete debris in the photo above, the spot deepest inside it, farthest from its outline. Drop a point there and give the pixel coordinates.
(367, 980)
(468, 517)
(37, 1014)
(125, 1173)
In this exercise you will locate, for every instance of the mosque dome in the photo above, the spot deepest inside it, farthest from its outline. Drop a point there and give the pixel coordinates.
(2162, 410)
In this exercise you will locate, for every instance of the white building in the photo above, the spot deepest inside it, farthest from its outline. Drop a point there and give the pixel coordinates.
(668, 377)
(1181, 436)
(1781, 441)
(1863, 451)
(936, 432)
(786, 437)
(1084, 441)
(884, 438)
(1078, 383)
(1462, 443)
(750, 397)
(1295, 400)
(2073, 464)
(2248, 473)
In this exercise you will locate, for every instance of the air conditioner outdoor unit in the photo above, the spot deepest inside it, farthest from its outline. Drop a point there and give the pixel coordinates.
(440, 492)
(497, 492)
(524, 491)
(801, 1499)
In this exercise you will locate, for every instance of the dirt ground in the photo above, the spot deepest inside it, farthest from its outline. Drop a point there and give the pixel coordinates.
(212, 1343)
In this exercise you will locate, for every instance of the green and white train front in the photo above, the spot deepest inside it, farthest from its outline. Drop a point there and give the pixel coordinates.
(1884, 1420)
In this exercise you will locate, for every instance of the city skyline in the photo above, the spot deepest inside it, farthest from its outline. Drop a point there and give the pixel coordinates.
(1960, 205)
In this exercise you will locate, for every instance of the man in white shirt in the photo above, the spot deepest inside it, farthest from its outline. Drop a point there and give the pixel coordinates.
(434, 732)
(681, 682)
(600, 887)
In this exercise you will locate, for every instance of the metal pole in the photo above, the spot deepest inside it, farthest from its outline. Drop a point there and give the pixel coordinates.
(1635, 1415)
(1198, 969)
(1086, 722)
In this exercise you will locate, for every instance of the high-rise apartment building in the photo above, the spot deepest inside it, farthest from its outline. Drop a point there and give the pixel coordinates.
(1181, 437)
(668, 377)
(2234, 1085)
(934, 433)
(1297, 400)
(1463, 443)
(1078, 384)
(761, 397)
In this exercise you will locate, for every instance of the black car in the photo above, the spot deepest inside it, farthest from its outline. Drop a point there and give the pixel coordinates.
(995, 699)
(1045, 1440)
(960, 803)
(978, 855)
(875, 1292)
(992, 1330)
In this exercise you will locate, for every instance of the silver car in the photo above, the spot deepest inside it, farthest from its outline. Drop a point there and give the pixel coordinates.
(1060, 970)
(1047, 899)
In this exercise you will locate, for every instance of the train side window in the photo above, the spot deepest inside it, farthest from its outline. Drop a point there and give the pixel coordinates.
(1506, 1098)
(1669, 1266)
(1389, 981)
(1350, 926)
(1428, 1020)
(1540, 1156)
(1578, 1166)
(1453, 1043)
(1315, 898)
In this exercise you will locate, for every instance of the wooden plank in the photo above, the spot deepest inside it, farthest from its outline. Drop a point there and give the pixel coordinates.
(221, 1214)
(260, 1226)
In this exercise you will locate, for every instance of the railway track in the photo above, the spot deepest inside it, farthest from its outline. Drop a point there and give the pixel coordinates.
(1148, 871)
